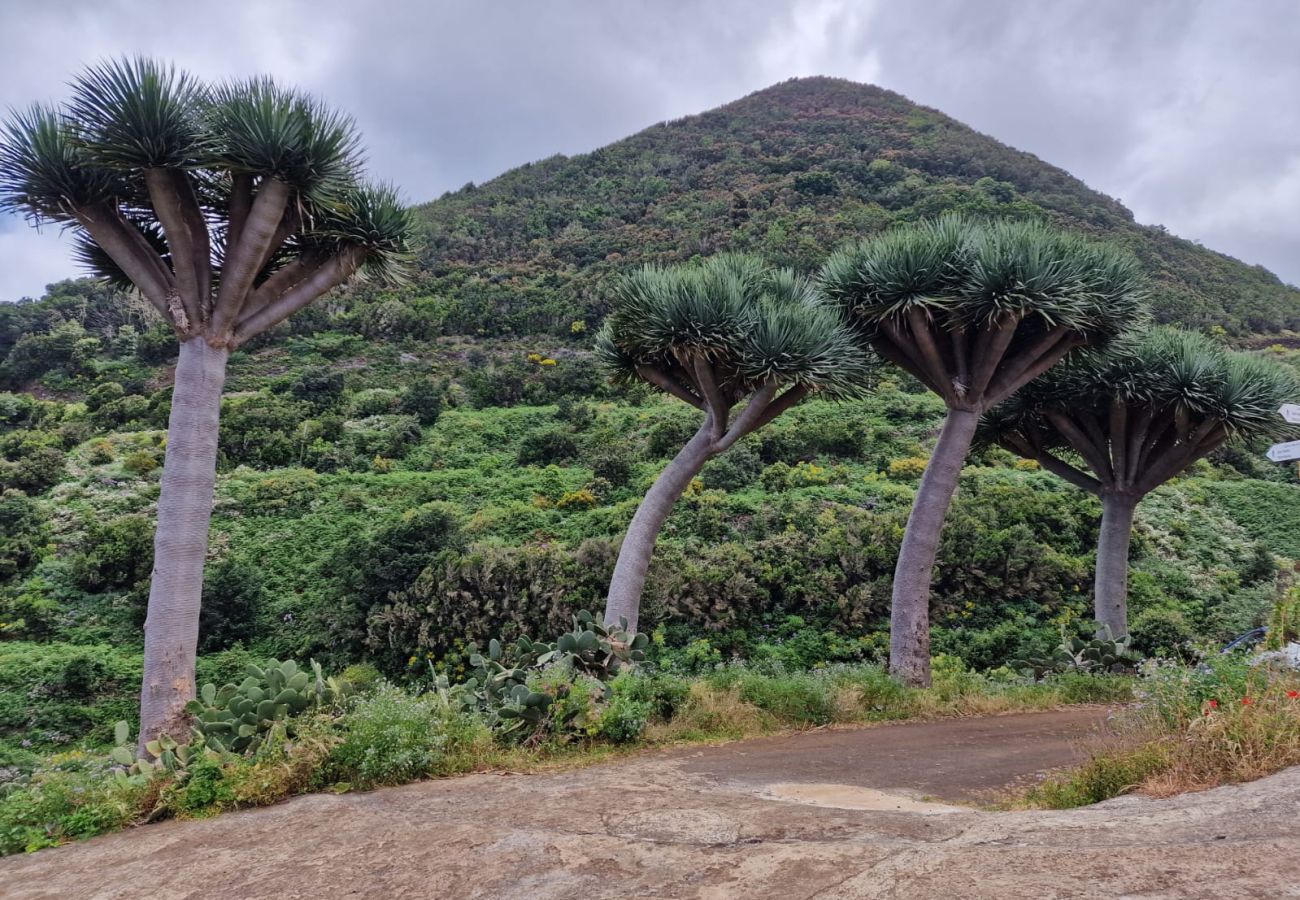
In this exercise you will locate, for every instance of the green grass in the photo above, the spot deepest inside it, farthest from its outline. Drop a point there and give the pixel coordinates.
(392, 736)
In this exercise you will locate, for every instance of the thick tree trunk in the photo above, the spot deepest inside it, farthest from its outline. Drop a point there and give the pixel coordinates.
(171, 630)
(909, 621)
(638, 544)
(1110, 589)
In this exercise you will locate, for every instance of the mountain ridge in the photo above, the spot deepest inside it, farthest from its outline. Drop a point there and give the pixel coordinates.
(789, 172)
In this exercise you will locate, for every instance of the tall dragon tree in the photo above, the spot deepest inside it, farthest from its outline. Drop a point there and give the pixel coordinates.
(738, 341)
(1121, 422)
(974, 312)
(229, 208)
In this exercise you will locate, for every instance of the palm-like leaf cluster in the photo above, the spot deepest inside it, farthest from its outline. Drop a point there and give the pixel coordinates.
(46, 174)
(156, 171)
(259, 128)
(1164, 370)
(139, 114)
(971, 273)
(752, 325)
(372, 218)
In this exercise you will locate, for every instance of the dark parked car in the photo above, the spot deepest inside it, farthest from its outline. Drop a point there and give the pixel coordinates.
(1248, 641)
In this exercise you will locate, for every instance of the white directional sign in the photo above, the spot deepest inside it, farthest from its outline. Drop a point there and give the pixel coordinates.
(1291, 412)
(1284, 452)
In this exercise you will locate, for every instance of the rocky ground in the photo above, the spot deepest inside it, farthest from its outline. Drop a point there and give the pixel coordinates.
(872, 813)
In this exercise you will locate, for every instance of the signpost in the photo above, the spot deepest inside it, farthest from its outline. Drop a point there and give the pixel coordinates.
(1291, 449)
(1284, 452)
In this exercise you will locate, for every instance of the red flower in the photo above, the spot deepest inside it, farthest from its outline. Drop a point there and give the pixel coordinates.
(1293, 694)
(1246, 701)
(1214, 704)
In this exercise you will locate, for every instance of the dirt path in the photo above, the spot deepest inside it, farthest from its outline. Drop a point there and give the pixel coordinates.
(820, 815)
(957, 760)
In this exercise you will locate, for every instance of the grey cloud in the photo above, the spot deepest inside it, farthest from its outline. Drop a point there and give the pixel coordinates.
(1187, 111)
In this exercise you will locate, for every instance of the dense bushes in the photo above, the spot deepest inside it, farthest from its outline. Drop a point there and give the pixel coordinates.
(387, 735)
(1221, 722)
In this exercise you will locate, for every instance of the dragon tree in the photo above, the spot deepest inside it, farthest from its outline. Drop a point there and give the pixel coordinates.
(729, 332)
(229, 208)
(1121, 422)
(974, 312)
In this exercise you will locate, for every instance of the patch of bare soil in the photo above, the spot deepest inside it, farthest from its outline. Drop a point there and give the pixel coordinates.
(824, 815)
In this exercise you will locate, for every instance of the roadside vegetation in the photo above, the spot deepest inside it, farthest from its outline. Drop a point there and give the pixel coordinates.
(513, 712)
(1192, 728)
(406, 525)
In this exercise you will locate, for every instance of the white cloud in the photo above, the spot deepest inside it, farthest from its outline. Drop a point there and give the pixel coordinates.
(1186, 111)
(29, 260)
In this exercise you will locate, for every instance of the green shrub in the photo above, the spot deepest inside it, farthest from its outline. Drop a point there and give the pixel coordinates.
(57, 694)
(1103, 777)
(203, 791)
(1162, 633)
(798, 698)
(117, 554)
(373, 402)
(661, 693)
(546, 447)
(1082, 687)
(24, 530)
(622, 720)
(614, 465)
(232, 595)
(71, 797)
(391, 737)
(423, 398)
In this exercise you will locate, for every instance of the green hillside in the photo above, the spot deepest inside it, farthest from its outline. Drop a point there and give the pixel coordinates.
(788, 172)
(404, 472)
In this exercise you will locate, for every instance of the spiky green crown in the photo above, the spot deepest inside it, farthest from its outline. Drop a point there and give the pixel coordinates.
(752, 323)
(1159, 367)
(971, 273)
(132, 115)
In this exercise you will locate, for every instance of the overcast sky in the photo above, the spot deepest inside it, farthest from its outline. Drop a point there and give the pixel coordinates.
(1188, 112)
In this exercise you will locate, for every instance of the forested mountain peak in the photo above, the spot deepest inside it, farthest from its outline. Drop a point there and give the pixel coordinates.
(788, 172)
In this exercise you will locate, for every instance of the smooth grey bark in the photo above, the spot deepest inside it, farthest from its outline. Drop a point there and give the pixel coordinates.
(639, 543)
(171, 629)
(909, 619)
(1110, 588)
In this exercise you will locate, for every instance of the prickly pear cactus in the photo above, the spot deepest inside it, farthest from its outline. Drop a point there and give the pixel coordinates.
(167, 755)
(498, 685)
(598, 649)
(238, 717)
(1079, 655)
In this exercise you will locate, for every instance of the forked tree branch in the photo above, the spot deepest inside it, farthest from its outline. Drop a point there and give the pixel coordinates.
(1093, 455)
(1118, 417)
(921, 325)
(1001, 390)
(670, 385)
(961, 361)
(278, 282)
(127, 247)
(782, 403)
(1054, 464)
(885, 346)
(991, 347)
(905, 353)
(1208, 435)
(1100, 440)
(245, 258)
(241, 203)
(749, 417)
(1136, 439)
(718, 407)
(336, 270)
(169, 200)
